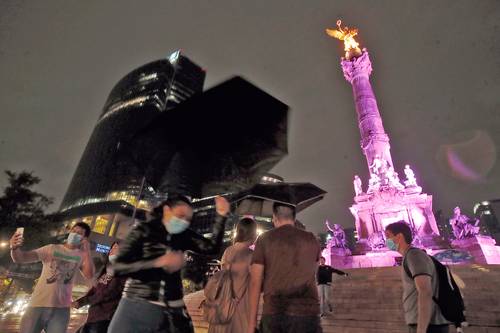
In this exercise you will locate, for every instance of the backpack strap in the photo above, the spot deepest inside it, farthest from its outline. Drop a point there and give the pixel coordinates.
(405, 266)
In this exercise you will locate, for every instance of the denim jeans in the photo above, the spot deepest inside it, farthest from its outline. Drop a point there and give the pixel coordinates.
(134, 316)
(281, 323)
(431, 329)
(52, 320)
(324, 292)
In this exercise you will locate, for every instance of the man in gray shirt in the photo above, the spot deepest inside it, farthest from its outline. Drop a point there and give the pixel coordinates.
(421, 313)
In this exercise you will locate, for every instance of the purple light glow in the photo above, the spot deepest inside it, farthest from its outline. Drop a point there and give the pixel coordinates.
(470, 158)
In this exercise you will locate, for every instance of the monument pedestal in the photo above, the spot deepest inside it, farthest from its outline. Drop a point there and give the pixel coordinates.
(374, 211)
(371, 259)
(482, 248)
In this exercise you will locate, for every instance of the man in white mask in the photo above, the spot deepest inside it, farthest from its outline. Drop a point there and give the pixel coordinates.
(50, 303)
(151, 257)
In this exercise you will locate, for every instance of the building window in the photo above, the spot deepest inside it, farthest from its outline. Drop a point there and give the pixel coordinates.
(87, 220)
(101, 223)
(113, 228)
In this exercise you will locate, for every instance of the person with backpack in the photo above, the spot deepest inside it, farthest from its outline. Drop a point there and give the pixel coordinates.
(235, 274)
(420, 286)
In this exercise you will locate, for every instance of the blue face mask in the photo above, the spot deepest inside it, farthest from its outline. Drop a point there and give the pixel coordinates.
(391, 245)
(176, 225)
(74, 239)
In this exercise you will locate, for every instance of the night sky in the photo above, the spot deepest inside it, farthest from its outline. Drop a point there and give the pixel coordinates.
(436, 77)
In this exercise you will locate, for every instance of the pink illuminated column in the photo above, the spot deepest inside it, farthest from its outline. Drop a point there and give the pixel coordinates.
(374, 140)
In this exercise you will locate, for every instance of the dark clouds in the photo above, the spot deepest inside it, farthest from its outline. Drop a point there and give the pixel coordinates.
(436, 77)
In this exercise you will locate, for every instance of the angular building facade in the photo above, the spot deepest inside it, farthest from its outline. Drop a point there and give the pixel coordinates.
(106, 183)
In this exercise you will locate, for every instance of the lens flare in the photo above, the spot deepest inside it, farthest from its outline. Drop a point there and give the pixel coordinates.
(469, 158)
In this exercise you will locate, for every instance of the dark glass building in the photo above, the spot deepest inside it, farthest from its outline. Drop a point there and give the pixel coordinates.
(106, 184)
(487, 212)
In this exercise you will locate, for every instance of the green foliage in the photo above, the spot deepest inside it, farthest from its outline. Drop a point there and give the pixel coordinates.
(21, 206)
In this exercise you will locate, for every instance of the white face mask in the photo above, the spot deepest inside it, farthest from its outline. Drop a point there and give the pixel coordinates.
(112, 257)
(176, 225)
(74, 239)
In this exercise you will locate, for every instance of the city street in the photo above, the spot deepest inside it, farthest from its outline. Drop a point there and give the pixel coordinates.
(10, 323)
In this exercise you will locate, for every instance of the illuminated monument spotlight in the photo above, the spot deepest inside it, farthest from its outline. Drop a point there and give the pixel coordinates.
(386, 199)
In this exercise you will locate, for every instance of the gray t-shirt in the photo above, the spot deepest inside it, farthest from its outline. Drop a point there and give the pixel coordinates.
(419, 263)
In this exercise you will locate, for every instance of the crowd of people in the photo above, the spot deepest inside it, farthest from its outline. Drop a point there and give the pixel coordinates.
(139, 289)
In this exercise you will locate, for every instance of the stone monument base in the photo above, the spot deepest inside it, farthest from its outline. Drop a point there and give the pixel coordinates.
(371, 259)
(482, 248)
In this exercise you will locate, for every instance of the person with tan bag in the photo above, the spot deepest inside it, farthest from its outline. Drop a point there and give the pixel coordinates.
(226, 307)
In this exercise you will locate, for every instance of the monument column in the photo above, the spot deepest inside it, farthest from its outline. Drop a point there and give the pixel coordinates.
(386, 199)
(374, 140)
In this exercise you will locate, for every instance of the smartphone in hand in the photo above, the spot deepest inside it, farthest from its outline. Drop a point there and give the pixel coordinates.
(20, 231)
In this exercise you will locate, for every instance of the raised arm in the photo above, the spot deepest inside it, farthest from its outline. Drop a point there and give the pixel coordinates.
(212, 245)
(19, 256)
(88, 268)
(338, 271)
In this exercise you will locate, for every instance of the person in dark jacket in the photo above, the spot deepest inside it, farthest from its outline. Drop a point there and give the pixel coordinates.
(103, 298)
(151, 257)
(324, 277)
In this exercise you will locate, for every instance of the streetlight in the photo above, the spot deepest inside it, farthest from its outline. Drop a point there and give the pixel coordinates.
(4, 244)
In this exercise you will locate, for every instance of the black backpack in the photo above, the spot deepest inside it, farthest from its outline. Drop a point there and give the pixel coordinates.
(449, 298)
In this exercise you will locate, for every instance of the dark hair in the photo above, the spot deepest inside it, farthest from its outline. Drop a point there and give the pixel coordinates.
(283, 211)
(84, 226)
(105, 260)
(172, 201)
(401, 227)
(246, 230)
(322, 258)
(117, 242)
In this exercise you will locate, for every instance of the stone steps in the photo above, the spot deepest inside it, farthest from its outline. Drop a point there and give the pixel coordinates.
(369, 301)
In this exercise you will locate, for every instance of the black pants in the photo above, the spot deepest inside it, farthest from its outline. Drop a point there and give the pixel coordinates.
(281, 323)
(431, 329)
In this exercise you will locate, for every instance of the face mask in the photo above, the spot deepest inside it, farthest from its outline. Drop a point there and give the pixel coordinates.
(176, 225)
(74, 239)
(112, 257)
(391, 245)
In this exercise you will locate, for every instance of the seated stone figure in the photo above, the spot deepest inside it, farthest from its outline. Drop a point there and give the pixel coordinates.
(338, 243)
(463, 227)
(338, 236)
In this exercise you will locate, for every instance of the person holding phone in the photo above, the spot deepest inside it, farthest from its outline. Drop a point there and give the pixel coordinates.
(49, 308)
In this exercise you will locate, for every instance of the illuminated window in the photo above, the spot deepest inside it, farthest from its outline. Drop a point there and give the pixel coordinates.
(87, 220)
(112, 229)
(101, 223)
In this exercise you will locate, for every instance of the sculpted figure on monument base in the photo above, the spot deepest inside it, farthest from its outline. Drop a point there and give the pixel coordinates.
(338, 236)
(376, 240)
(410, 177)
(376, 165)
(358, 189)
(373, 183)
(463, 227)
